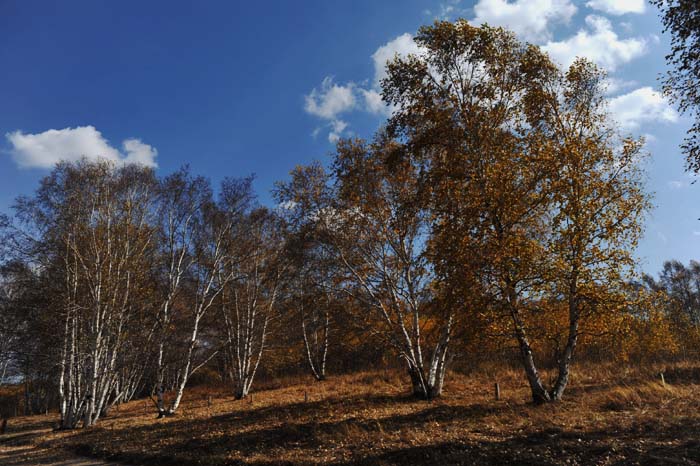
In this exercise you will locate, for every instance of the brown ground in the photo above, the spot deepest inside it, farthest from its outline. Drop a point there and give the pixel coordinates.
(620, 416)
(21, 448)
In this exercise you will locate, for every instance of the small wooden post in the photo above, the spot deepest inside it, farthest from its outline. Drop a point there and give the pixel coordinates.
(3, 427)
(663, 380)
(306, 397)
(209, 400)
(497, 391)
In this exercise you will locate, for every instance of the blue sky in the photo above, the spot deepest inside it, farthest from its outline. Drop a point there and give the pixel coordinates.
(233, 88)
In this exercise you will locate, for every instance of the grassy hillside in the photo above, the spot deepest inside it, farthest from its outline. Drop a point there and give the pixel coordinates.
(611, 415)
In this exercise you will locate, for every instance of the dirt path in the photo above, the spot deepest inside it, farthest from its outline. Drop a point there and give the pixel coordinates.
(30, 455)
(23, 448)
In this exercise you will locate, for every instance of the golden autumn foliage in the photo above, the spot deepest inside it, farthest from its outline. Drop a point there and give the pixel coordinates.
(492, 220)
(537, 202)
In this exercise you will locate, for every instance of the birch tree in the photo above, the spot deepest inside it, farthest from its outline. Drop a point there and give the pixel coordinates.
(94, 238)
(531, 185)
(461, 116)
(106, 254)
(315, 309)
(599, 206)
(312, 292)
(375, 226)
(182, 199)
(209, 271)
(249, 302)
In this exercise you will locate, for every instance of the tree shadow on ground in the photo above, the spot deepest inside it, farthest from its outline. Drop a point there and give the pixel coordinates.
(293, 427)
(258, 435)
(523, 453)
(647, 444)
(30, 456)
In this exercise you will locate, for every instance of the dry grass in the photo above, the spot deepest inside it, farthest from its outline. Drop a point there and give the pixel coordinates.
(611, 415)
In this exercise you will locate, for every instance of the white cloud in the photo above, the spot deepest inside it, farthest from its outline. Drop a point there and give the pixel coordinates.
(330, 100)
(530, 19)
(374, 102)
(618, 7)
(643, 105)
(600, 44)
(337, 129)
(44, 150)
(402, 46)
(139, 153)
(446, 10)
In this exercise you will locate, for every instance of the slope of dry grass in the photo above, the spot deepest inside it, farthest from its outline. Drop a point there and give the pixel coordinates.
(612, 415)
